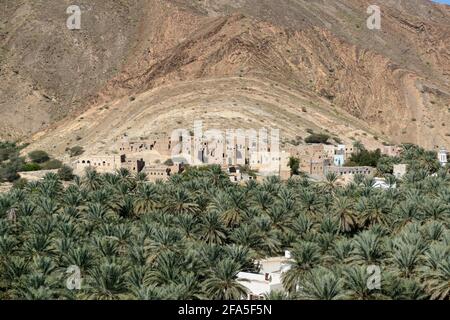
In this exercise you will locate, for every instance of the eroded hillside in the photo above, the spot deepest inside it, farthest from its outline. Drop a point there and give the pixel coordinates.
(295, 65)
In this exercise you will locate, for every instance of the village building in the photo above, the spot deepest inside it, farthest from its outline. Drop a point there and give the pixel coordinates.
(313, 157)
(350, 171)
(329, 150)
(381, 183)
(132, 164)
(268, 279)
(102, 164)
(315, 167)
(157, 172)
(391, 151)
(237, 176)
(339, 158)
(400, 170)
(313, 151)
(159, 142)
(443, 157)
(347, 151)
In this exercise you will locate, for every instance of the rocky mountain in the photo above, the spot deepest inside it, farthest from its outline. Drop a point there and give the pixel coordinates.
(141, 66)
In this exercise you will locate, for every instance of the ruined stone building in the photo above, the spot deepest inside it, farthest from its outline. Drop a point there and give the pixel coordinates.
(158, 142)
(101, 164)
(350, 171)
(313, 157)
(157, 172)
(132, 163)
(391, 151)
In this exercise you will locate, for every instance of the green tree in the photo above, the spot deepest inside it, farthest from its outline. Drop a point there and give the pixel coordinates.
(294, 164)
(223, 283)
(38, 156)
(76, 151)
(65, 173)
(317, 138)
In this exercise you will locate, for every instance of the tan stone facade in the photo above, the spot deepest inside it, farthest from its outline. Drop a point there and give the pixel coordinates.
(350, 171)
(391, 151)
(400, 170)
(157, 172)
(100, 163)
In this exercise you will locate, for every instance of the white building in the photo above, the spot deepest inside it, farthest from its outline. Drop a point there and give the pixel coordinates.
(339, 158)
(380, 183)
(268, 279)
(340, 155)
(442, 155)
(400, 170)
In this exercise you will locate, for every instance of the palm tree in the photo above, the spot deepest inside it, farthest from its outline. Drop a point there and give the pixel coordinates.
(163, 240)
(217, 177)
(276, 296)
(189, 226)
(436, 272)
(341, 251)
(38, 244)
(223, 283)
(141, 178)
(147, 293)
(231, 205)
(96, 212)
(25, 209)
(368, 248)
(147, 198)
(108, 248)
(189, 237)
(47, 206)
(14, 268)
(180, 202)
(407, 212)
(355, 281)
(8, 244)
(331, 179)
(212, 228)
(302, 225)
(167, 268)
(125, 176)
(187, 288)
(125, 206)
(309, 202)
(137, 255)
(271, 242)
(358, 146)
(248, 236)
(406, 257)
(435, 209)
(343, 209)
(263, 199)
(305, 256)
(433, 231)
(91, 180)
(81, 257)
(374, 209)
(280, 218)
(321, 284)
(397, 288)
(109, 281)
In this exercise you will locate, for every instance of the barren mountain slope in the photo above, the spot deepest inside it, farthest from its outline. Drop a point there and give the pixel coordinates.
(254, 63)
(48, 71)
